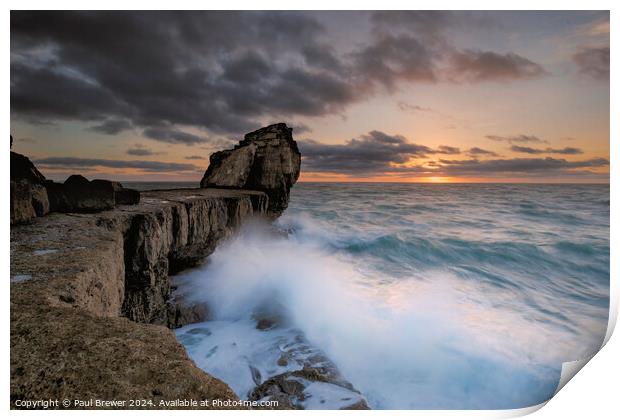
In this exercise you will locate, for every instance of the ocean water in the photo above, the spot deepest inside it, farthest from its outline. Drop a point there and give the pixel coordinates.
(462, 296)
(160, 185)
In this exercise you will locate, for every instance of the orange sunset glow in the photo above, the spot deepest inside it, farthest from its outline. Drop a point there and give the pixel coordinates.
(433, 97)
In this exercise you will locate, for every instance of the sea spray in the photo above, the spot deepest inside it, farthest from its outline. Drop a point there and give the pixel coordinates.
(412, 321)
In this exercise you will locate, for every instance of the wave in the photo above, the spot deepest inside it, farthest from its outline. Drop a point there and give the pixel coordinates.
(437, 338)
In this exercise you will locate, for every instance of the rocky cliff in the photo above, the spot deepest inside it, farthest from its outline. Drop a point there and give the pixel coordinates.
(79, 280)
(265, 160)
(34, 196)
(91, 297)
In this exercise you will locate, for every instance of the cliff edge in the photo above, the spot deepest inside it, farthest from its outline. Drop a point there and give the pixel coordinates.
(91, 298)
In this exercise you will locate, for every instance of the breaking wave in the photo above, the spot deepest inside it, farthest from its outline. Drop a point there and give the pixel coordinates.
(416, 308)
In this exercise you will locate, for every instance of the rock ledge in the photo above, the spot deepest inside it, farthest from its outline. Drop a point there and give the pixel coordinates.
(79, 280)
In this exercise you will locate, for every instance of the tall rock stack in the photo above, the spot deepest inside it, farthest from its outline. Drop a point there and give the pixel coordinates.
(265, 160)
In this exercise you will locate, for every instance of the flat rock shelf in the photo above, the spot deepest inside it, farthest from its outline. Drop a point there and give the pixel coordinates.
(90, 296)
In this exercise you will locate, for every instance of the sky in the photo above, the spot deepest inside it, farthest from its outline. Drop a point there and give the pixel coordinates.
(409, 96)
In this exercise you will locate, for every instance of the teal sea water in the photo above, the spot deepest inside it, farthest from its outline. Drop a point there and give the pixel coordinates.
(424, 296)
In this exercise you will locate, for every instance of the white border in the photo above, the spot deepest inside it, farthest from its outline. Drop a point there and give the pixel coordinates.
(594, 394)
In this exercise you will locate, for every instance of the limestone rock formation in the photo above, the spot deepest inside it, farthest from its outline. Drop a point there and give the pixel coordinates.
(78, 282)
(122, 195)
(79, 195)
(266, 160)
(290, 388)
(28, 194)
(33, 196)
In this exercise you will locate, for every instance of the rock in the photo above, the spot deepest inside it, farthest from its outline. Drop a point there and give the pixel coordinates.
(289, 388)
(265, 324)
(28, 195)
(78, 195)
(124, 196)
(180, 313)
(23, 168)
(21, 202)
(266, 160)
(72, 334)
(66, 353)
(176, 236)
(34, 196)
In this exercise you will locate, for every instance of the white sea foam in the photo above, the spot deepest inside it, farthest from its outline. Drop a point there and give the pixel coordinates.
(431, 341)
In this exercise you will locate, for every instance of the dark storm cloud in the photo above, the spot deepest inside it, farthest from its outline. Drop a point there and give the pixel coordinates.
(518, 165)
(370, 153)
(219, 71)
(533, 151)
(140, 150)
(301, 128)
(322, 56)
(477, 151)
(45, 93)
(391, 59)
(427, 33)
(593, 62)
(85, 163)
(111, 127)
(474, 65)
(168, 135)
(521, 138)
(153, 67)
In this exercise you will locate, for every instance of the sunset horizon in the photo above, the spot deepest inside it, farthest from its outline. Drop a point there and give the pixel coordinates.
(307, 210)
(418, 96)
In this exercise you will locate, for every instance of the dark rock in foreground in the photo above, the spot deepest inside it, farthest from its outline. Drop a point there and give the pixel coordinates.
(34, 196)
(265, 160)
(79, 195)
(29, 197)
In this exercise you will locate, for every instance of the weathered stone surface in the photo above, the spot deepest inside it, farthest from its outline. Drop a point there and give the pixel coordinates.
(175, 236)
(74, 275)
(21, 202)
(289, 388)
(79, 195)
(182, 313)
(23, 168)
(122, 195)
(297, 388)
(64, 353)
(266, 160)
(28, 195)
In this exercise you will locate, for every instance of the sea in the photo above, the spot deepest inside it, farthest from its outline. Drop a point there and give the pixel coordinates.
(423, 296)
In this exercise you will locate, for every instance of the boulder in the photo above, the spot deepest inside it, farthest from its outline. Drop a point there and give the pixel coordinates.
(290, 389)
(79, 195)
(28, 194)
(265, 160)
(23, 168)
(125, 196)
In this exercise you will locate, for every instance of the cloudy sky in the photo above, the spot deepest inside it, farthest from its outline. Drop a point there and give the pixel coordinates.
(377, 96)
